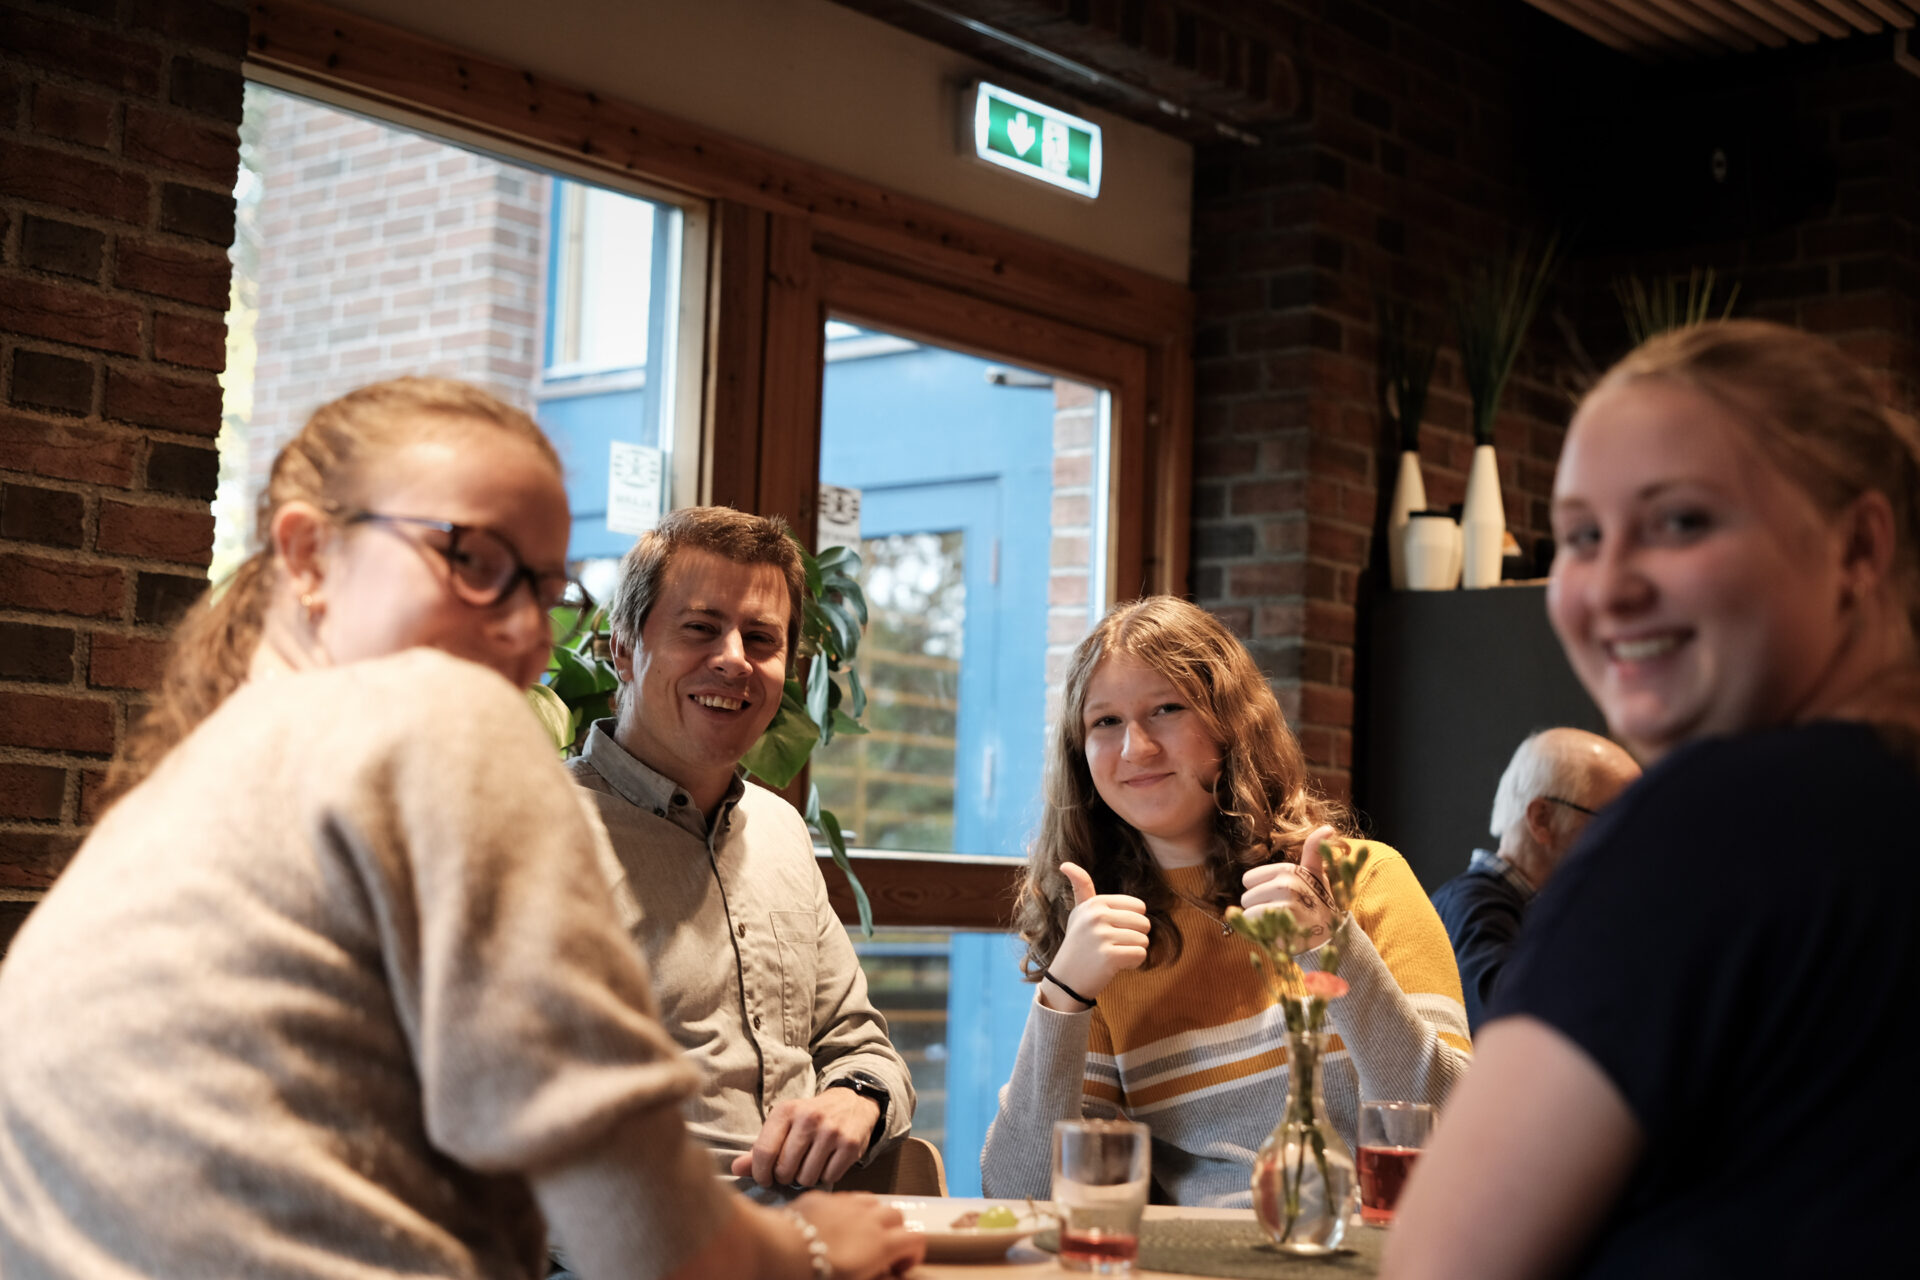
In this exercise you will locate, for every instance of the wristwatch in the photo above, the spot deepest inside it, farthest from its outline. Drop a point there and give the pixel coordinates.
(868, 1086)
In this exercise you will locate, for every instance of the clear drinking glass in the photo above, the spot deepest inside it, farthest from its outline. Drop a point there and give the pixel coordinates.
(1391, 1136)
(1100, 1172)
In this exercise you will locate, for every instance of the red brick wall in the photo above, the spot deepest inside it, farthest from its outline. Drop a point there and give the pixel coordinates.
(385, 253)
(1076, 430)
(118, 150)
(1397, 175)
(1416, 153)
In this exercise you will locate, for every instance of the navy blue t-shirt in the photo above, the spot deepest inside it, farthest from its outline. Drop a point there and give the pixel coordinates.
(1736, 943)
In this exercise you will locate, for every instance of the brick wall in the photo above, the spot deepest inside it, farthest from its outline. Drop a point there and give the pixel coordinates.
(118, 150)
(1076, 423)
(383, 253)
(1396, 175)
(1422, 147)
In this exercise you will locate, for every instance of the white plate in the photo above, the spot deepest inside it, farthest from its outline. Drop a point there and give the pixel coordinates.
(934, 1216)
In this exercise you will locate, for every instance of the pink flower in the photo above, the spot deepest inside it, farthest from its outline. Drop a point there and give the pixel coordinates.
(1328, 986)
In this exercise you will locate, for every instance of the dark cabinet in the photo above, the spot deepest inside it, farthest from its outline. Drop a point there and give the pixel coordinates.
(1450, 682)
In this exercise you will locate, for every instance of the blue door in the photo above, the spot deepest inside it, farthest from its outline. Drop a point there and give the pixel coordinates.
(943, 454)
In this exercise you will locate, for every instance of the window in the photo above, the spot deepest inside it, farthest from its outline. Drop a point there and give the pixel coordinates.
(983, 488)
(800, 243)
(367, 250)
(602, 261)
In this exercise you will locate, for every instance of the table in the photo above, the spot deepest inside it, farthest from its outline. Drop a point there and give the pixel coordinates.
(1024, 1262)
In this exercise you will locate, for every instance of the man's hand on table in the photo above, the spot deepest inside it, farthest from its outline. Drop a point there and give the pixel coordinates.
(808, 1141)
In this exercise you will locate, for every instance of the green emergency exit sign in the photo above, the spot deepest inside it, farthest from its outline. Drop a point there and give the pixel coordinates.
(1039, 141)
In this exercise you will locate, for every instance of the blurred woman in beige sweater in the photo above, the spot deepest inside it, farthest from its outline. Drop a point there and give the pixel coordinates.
(334, 988)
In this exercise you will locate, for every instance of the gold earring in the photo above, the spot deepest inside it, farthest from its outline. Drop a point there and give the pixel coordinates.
(311, 603)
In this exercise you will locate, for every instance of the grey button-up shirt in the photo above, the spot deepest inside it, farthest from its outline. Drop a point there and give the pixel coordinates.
(756, 977)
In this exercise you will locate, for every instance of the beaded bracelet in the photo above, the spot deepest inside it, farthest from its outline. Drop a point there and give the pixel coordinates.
(816, 1247)
(1064, 987)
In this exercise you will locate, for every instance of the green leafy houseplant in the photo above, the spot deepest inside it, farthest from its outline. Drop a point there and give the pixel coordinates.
(1493, 311)
(580, 682)
(1650, 310)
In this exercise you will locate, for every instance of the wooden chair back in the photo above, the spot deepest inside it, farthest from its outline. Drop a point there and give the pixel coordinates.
(911, 1168)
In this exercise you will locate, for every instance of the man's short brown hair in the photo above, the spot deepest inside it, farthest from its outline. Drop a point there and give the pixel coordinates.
(732, 535)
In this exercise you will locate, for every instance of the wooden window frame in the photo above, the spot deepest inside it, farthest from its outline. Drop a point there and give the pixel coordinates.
(792, 242)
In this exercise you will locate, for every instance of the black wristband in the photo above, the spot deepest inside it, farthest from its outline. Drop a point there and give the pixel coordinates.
(1064, 987)
(868, 1086)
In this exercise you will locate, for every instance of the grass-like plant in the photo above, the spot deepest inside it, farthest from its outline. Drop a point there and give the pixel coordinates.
(1493, 309)
(1406, 370)
(1656, 308)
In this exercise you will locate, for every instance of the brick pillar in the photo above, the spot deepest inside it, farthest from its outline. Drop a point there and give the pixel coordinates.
(118, 151)
(1076, 424)
(1396, 176)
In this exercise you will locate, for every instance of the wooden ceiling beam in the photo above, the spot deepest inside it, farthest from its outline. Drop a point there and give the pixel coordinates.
(1645, 37)
(1650, 12)
(1860, 19)
(1657, 28)
(1587, 26)
(1730, 37)
(1893, 13)
(1809, 12)
(1764, 32)
(1782, 20)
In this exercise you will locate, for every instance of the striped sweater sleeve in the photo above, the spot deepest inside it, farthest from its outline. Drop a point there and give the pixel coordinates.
(1050, 1079)
(1403, 1020)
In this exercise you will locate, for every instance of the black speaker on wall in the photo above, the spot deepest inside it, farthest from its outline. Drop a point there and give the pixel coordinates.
(1656, 172)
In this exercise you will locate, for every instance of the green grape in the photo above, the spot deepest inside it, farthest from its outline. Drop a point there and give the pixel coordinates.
(998, 1218)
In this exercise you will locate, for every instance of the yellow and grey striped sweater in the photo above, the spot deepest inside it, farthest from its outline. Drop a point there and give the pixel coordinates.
(1197, 1050)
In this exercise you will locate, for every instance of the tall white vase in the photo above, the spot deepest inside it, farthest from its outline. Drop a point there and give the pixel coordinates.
(1409, 496)
(1483, 521)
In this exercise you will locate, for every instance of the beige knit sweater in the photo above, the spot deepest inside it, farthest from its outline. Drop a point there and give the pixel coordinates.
(338, 992)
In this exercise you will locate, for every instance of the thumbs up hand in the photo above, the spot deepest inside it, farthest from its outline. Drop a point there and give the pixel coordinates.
(1106, 932)
(1300, 887)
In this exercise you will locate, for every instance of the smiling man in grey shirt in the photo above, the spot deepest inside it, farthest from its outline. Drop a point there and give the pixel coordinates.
(756, 977)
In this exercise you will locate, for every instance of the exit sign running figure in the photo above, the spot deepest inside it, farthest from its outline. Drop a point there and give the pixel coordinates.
(1032, 138)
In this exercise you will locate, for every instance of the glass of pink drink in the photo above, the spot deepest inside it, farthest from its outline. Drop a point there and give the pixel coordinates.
(1100, 1172)
(1391, 1136)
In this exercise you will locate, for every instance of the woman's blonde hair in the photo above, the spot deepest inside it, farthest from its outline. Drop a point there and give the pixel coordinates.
(1814, 413)
(1265, 805)
(329, 464)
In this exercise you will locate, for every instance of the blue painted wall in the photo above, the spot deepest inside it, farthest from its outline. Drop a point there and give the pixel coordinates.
(582, 428)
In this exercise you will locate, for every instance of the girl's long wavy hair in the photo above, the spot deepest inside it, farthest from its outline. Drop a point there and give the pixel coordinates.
(1816, 415)
(1266, 808)
(329, 464)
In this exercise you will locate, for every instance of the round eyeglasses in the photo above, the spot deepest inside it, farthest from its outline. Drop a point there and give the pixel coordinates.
(483, 568)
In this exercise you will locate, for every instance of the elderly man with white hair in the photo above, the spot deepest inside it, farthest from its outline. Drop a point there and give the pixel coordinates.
(1557, 780)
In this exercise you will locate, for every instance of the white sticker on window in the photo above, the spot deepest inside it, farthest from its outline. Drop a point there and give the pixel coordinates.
(633, 487)
(839, 518)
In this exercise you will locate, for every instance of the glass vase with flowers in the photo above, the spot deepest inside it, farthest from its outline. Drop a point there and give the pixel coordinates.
(1303, 1175)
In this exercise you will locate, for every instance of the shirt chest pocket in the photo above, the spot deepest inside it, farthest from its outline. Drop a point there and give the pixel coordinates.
(796, 938)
